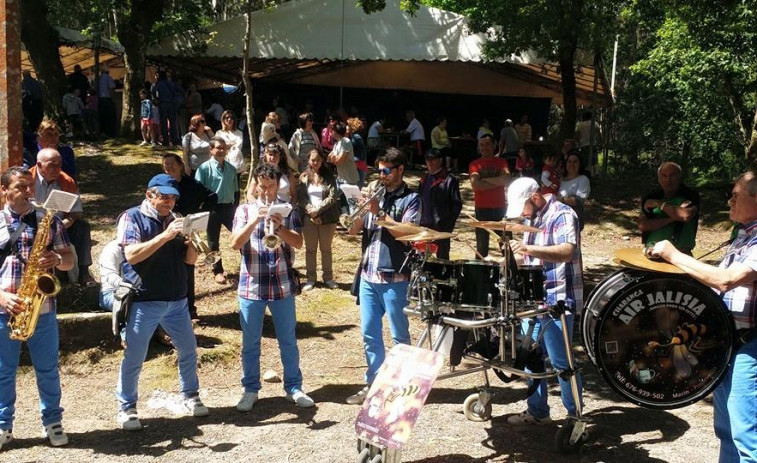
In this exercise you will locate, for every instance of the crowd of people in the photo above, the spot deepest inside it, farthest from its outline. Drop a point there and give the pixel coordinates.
(309, 173)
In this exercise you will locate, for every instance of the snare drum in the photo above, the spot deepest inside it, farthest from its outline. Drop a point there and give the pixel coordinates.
(660, 340)
(437, 280)
(477, 288)
(529, 283)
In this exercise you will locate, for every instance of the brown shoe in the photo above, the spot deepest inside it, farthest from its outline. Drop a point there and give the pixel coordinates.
(163, 338)
(220, 278)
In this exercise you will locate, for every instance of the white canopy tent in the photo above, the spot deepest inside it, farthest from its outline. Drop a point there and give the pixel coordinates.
(334, 43)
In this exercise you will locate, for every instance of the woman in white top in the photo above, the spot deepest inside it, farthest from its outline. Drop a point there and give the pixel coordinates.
(234, 141)
(303, 141)
(195, 144)
(319, 210)
(575, 187)
(273, 154)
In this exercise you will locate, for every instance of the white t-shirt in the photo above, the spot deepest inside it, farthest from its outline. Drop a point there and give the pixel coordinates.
(234, 145)
(579, 186)
(199, 149)
(415, 129)
(111, 258)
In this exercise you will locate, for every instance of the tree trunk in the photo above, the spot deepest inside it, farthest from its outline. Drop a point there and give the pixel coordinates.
(566, 57)
(254, 145)
(41, 41)
(134, 26)
(751, 150)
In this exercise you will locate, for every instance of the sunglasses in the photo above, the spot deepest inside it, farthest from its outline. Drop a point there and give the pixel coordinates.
(386, 170)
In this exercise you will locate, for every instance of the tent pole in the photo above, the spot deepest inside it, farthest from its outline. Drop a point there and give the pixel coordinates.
(341, 62)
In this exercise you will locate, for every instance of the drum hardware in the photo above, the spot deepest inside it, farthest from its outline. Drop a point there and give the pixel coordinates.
(426, 235)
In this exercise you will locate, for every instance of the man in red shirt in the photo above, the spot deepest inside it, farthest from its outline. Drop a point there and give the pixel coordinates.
(489, 176)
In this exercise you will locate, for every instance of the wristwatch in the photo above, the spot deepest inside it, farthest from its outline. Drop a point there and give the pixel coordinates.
(380, 214)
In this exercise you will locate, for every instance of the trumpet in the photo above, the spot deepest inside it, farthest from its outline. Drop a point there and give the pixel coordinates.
(348, 220)
(270, 240)
(200, 246)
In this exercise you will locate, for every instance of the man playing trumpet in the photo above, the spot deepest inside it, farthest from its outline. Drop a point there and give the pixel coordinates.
(383, 280)
(266, 279)
(18, 229)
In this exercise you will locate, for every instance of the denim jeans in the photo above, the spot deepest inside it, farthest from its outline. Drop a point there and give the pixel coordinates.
(106, 300)
(376, 299)
(251, 313)
(144, 318)
(735, 401)
(43, 347)
(554, 347)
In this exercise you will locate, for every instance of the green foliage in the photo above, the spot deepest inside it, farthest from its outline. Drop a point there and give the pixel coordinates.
(688, 91)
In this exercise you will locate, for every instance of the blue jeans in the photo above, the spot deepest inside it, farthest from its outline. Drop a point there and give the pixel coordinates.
(43, 347)
(554, 347)
(144, 318)
(251, 313)
(106, 300)
(735, 401)
(375, 300)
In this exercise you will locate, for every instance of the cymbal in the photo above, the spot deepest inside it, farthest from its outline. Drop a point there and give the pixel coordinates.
(426, 235)
(405, 227)
(635, 258)
(502, 225)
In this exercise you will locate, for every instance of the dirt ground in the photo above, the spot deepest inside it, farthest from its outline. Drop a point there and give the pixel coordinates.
(333, 364)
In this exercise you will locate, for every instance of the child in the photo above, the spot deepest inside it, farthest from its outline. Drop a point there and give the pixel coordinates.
(145, 114)
(524, 165)
(550, 182)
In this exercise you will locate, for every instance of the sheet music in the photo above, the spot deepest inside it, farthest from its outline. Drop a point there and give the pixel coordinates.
(61, 201)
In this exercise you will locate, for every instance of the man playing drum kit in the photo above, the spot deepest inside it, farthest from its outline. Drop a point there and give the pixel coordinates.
(558, 249)
(735, 279)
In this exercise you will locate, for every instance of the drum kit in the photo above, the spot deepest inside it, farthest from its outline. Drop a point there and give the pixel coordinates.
(481, 305)
(658, 337)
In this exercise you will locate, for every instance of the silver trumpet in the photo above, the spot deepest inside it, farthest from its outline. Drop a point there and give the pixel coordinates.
(271, 241)
(348, 220)
(208, 257)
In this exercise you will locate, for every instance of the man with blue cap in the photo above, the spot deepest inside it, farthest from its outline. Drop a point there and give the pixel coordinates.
(158, 255)
(557, 249)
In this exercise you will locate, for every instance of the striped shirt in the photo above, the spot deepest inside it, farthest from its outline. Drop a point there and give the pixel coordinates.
(13, 268)
(742, 299)
(563, 281)
(265, 275)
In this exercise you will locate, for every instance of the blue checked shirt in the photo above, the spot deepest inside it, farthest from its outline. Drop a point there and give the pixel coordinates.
(741, 300)
(265, 275)
(562, 280)
(405, 208)
(13, 267)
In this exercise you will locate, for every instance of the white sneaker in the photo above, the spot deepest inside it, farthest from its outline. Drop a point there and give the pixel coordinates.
(308, 286)
(300, 399)
(144, 143)
(6, 437)
(332, 284)
(129, 420)
(359, 397)
(195, 407)
(247, 401)
(55, 433)
(526, 418)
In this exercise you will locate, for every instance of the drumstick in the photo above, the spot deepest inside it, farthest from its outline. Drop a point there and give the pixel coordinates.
(465, 240)
(491, 232)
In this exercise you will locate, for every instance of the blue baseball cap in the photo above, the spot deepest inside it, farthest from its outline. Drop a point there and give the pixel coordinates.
(165, 184)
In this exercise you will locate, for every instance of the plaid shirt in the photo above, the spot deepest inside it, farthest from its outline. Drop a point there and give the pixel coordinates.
(406, 208)
(128, 232)
(562, 280)
(741, 300)
(13, 268)
(265, 275)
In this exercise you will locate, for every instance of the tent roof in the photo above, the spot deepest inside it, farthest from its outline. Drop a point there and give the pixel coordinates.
(298, 41)
(77, 48)
(335, 30)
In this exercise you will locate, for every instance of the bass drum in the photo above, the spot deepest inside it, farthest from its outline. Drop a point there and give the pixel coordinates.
(597, 300)
(662, 341)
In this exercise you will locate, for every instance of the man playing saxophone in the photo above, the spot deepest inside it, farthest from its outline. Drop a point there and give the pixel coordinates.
(266, 279)
(15, 247)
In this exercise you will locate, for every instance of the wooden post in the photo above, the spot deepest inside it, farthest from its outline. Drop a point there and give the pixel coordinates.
(11, 138)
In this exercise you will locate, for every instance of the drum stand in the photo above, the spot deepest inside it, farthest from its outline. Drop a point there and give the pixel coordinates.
(506, 322)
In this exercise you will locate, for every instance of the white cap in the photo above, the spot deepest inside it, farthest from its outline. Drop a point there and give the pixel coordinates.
(517, 194)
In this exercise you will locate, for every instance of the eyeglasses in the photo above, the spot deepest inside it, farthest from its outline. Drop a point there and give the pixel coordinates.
(163, 197)
(386, 170)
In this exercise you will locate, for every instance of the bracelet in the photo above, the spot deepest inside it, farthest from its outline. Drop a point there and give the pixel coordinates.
(60, 259)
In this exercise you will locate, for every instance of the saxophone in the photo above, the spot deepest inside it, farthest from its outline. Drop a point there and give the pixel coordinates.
(37, 284)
